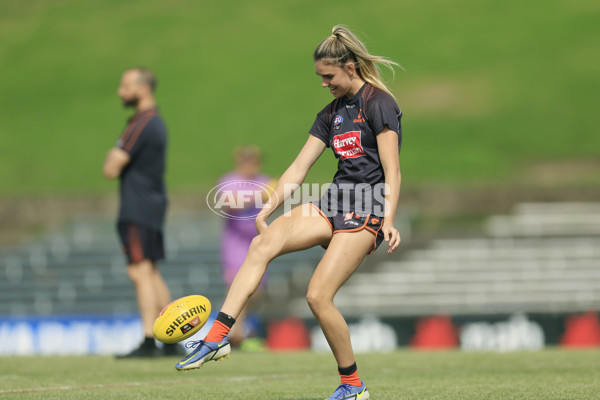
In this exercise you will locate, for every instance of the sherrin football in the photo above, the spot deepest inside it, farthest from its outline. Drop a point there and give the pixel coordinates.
(181, 319)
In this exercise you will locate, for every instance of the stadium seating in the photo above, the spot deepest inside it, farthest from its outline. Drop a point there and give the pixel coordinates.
(542, 258)
(80, 269)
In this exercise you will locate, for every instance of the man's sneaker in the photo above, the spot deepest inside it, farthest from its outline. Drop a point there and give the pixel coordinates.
(205, 351)
(349, 392)
(147, 349)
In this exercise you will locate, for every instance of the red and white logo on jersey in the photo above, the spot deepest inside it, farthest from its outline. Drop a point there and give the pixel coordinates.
(347, 145)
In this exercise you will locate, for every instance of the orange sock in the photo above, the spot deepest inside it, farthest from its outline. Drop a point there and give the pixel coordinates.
(349, 375)
(351, 379)
(217, 332)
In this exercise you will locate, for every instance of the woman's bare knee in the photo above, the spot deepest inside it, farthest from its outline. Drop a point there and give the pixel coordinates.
(317, 300)
(312, 300)
(262, 248)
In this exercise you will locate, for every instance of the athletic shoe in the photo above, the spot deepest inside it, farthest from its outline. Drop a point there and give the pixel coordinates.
(147, 349)
(349, 392)
(205, 351)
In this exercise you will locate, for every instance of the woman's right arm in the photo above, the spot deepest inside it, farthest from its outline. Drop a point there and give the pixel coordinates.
(291, 178)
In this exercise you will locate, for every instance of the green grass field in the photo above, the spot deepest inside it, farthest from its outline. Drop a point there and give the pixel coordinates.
(493, 93)
(550, 374)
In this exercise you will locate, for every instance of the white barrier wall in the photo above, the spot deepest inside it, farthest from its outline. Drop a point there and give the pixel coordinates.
(72, 335)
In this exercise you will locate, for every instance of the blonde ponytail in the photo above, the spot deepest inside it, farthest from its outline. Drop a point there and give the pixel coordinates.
(343, 46)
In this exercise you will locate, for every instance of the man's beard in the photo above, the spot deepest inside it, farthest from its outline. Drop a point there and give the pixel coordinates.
(131, 102)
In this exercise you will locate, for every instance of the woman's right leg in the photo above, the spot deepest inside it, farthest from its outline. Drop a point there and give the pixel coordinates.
(302, 229)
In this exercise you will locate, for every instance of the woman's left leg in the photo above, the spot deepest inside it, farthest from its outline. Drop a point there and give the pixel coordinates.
(343, 256)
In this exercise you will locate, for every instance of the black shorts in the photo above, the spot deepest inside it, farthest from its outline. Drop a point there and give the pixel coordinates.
(140, 243)
(352, 222)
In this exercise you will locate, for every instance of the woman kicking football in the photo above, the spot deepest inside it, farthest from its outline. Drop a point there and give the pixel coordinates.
(352, 218)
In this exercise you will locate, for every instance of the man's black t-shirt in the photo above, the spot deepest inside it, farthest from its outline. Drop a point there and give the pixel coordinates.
(350, 127)
(143, 193)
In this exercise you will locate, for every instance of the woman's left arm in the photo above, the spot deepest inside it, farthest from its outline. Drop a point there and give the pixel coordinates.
(387, 144)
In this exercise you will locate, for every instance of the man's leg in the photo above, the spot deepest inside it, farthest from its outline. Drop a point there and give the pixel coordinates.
(162, 297)
(142, 246)
(146, 278)
(142, 275)
(161, 291)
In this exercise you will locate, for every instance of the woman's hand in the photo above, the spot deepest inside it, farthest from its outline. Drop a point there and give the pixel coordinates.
(391, 235)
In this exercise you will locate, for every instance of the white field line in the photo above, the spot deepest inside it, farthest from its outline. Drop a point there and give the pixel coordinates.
(156, 383)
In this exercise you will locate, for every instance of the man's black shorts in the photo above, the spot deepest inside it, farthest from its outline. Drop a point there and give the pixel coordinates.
(140, 243)
(353, 222)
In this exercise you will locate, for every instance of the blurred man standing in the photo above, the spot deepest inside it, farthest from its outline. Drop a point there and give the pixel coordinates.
(138, 160)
